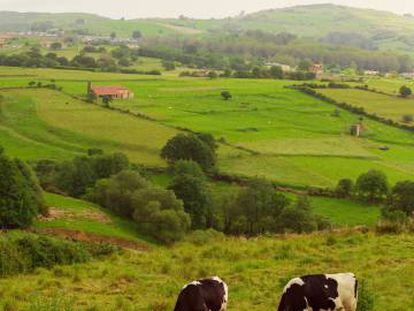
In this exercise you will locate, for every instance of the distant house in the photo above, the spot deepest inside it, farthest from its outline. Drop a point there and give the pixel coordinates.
(371, 73)
(317, 69)
(113, 92)
(4, 39)
(285, 68)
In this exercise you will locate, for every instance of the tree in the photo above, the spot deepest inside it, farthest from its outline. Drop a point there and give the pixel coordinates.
(226, 95)
(212, 75)
(193, 191)
(56, 46)
(168, 65)
(113, 35)
(136, 35)
(402, 197)
(405, 91)
(344, 188)
(124, 62)
(298, 218)
(20, 194)
(372, 186)
(189, 147)
(256, 209)
(276, 72)
(304, 65)
(76, 176)
(115, 193)
(185, 167)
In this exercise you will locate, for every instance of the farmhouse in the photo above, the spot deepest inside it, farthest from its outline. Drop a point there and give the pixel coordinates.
(317, 69)
(113, 92)
(371, 73)
(4, 40)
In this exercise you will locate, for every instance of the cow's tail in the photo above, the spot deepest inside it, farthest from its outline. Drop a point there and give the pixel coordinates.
(356, 294)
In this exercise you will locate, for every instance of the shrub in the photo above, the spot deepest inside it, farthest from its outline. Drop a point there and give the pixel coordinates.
(76, 176)
(157, 211)
(21, 197)
(407, 118)
(405, 91)
(226, 95)
(344, 188)
(24, 252)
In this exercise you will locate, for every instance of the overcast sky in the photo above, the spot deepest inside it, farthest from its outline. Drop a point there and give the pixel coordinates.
(191, 8)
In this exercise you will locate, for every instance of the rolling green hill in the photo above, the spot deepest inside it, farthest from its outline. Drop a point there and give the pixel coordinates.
(385, 30)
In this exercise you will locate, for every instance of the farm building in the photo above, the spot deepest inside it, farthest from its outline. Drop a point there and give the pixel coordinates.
(317, 69)
(4, 40)
(113, 92)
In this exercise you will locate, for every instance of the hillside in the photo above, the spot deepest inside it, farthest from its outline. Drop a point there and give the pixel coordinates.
(255, 269)
(384, 30)
(89, 23)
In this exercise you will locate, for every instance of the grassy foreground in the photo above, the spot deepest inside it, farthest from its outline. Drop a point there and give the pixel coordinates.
(256, 271)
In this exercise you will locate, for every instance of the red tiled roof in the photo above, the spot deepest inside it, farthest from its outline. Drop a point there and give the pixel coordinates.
(108, 90)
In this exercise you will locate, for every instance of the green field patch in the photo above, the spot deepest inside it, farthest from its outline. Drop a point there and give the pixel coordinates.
(323, 171)
(73, 214)
(387, 106)
(52, 118)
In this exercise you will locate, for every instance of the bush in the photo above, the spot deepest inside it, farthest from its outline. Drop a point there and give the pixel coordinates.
(23, 252)
(405, 91)
(226, 95)
(157, 211)
(21, 197)
(76, 176)
(407, 118)
(344, 188)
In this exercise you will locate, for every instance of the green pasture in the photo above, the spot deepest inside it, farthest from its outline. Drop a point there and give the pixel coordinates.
(388, 85)
(73, 214)
(284, 135)
(68, 126)
(387, 106)
(256, 271)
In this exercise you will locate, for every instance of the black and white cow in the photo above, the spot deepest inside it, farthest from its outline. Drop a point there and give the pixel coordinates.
(321, 292)
(203, 295)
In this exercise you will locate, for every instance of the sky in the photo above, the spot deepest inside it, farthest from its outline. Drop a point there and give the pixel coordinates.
(190, 8)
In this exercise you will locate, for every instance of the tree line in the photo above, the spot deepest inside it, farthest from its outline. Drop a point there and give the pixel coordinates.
(189, 202)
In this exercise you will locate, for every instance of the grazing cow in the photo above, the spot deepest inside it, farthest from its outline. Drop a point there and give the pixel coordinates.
(203, 295)
(322, 292)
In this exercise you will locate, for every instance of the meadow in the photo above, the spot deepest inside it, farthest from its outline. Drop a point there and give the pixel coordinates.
(267, 130)
(255, 269)
(387, 106)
